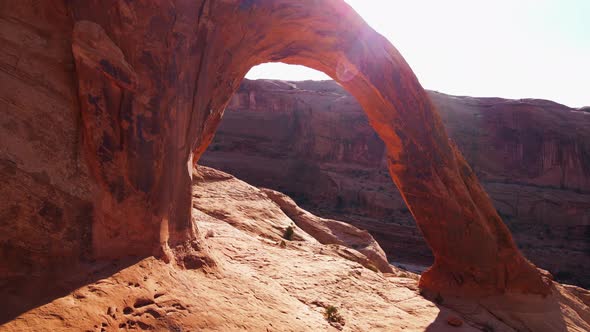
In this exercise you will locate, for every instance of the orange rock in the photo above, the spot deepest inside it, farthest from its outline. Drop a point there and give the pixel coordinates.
(260, 286)
(328, 231)
(153, 78)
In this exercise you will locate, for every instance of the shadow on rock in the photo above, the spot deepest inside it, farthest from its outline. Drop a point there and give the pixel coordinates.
(21, 294)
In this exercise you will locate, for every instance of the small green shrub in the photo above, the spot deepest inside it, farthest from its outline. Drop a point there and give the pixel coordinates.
(289, 232)
(333, 316)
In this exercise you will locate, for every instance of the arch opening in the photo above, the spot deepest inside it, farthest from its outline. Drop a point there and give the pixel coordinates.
(310, 140)
(283, 71)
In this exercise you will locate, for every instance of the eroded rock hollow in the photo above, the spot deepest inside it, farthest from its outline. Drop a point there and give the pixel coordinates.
(154, 78)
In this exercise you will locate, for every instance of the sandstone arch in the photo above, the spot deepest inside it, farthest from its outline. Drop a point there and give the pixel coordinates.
(154, 79)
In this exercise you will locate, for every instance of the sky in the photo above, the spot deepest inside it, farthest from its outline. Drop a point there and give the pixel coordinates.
(501, 48)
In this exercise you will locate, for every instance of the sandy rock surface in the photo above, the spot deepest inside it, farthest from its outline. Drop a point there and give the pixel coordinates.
(261, 285)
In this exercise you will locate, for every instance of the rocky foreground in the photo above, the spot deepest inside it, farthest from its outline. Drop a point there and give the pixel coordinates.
(313, 141)
(263, 282)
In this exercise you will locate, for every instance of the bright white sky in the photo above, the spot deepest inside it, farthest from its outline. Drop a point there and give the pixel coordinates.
(501, 48)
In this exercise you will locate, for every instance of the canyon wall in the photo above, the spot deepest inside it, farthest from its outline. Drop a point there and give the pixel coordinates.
(46, 209)
(313, 141)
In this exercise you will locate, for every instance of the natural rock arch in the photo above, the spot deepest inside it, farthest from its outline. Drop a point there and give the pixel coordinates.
(154, 79)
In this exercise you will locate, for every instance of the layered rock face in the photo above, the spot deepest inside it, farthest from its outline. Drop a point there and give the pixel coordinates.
(313, 141)
(46, 209)
(107, 105)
